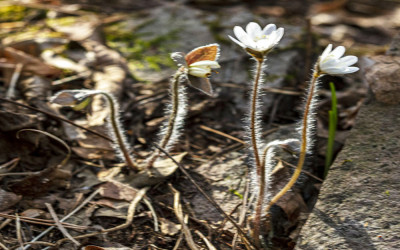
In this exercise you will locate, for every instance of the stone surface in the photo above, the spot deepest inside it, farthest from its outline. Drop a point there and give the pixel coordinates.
(383, 78)
(359, 203)
(157, 32)
(225, 180)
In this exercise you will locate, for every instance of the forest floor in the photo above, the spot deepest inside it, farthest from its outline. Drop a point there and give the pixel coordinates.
(123, 48)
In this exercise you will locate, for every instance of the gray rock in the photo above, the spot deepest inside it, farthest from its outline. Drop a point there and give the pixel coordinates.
(174, 27)
(383, 78)
(359, 203)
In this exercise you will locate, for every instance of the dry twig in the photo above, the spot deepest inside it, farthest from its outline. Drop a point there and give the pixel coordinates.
(179, 214)
(18, 229)
(65, 218)
(129, 218)
(41, 221)
(208, 243)
(59, 225)
(245, 238)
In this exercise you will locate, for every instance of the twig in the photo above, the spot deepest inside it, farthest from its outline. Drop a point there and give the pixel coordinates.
(59, 225)
(41, 243)
(179, 214)
(222, 134)
(41, 221)
(208, 243)
(212, 202)
(178, 242)
(18, 229)
(3, 246)
(56, 117)
(243, 210)
(129, 218)
(12, 162)
(66, 158)
(5, 223)
(304, 171)
(9, 165)
(65, 218)
(221, 226)
(71, 78)
(153, 213)
(14, 79)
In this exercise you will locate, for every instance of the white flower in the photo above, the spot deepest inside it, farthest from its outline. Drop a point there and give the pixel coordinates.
(332, 62)
(257, 41)
(202, 68)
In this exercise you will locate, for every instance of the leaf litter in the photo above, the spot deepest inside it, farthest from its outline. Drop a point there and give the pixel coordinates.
(42, 54)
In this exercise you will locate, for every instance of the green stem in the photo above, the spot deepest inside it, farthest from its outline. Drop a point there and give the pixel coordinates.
(303, 147)
(332, 131)
(117, 131)
(259, 168)
(171, 121)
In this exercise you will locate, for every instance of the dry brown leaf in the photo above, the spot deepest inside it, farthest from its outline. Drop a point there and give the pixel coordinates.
(8, 199)
(41, 182)
(118, 191)
(278, 167)
(161, 170)
(168, 227)
(10, 121)
(94, 153)
(31, 64)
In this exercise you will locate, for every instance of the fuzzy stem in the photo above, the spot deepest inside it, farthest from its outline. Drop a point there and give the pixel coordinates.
(303, 147)
(117, 131)
(260, 169)
(172, 118)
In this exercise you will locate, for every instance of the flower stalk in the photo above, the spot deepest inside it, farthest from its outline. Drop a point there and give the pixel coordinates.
(305, 139)
(171, 126)
(254, 135)
(116, 127)
(330, 62)
(79, 99)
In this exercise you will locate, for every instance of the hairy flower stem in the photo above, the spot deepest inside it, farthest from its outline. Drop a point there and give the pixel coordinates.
(117, 131)
(304, 141)
(254, 124)
(172, 118)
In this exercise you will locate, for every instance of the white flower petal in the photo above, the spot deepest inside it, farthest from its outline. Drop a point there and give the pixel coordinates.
(348, 60)
(331, 61)
(257, 42)
(253, 30)
(338, 52)
(206, 63)
(327, 63)
(279, 35)
(199, 71)
(236, 41)
(327, 50)
(242, 36)
(335, 70)
(269, 29)
(351, 70)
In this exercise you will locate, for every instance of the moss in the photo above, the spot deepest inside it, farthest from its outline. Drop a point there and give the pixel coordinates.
(13, 13)
(150, 53)
(31, 32)
(63, 21)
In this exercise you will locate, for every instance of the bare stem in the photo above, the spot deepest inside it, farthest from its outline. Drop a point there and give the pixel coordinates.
(171, 120)
(259, 168)
(117, 131)
(303, 147)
